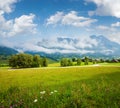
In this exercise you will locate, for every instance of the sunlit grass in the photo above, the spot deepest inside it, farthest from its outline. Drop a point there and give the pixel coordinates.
(57, 64)
(76, 87)
(54, 64)
(110, 64)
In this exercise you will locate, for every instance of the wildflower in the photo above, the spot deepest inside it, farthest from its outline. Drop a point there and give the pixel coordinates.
(11, 107)
(51, 93)
(55, 91)
(42, 92)
(35, 100)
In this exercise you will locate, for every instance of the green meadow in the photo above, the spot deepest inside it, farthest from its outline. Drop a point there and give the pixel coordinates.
(57, 64)
(60, 87)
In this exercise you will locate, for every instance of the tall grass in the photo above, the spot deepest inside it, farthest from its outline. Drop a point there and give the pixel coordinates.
(85, 87)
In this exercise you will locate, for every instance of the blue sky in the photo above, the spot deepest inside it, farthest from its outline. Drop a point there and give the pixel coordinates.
(28, 21)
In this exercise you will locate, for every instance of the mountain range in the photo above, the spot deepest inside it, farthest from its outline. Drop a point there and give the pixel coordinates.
(94, 46)
(6, 51)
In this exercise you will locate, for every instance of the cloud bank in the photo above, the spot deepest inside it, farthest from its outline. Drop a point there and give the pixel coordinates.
(62, 45)
(72, 18)
(106, 8)
(23, 25)
(92, 44)
(6, 6)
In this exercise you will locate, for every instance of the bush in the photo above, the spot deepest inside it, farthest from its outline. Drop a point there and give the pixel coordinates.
(66, 62)
(86, 60)
(24, 61)
(44, 62)
(79, 61)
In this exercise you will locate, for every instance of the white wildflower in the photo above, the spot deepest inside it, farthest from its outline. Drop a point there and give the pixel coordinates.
(35, 100)
(51, 93)
(55, 91)
(42, 92)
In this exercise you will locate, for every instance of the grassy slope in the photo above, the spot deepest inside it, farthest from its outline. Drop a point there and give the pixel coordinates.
(51, 61)
(77, 87)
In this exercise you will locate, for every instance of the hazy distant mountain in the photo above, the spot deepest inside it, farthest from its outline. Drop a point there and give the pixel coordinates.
(7, 51)
(106, 42)
(94, 46)
(106, 46)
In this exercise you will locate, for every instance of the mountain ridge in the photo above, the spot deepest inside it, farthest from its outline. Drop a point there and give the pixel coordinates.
(4, 50)
(94, 46)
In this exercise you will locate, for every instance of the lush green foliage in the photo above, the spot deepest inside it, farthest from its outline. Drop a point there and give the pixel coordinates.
(70, 62)
(86, 60)
(21, 61)
(3, 60)
(69, 87)
(27, 61)
(79, 61)
(66, 62)
(36, 61)
(44, 62)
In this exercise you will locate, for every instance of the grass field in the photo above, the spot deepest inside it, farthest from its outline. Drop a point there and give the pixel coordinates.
(71, 87)
(110, 64)
(57, 64)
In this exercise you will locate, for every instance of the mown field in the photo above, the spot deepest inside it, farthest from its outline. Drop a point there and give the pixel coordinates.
(71, 87)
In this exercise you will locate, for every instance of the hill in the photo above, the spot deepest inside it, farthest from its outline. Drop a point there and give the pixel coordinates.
(7, 51)
(94, 46)
(55, 49)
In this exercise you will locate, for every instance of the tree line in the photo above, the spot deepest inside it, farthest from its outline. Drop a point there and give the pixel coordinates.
(69, 62)
(23, 60)
(78, 61)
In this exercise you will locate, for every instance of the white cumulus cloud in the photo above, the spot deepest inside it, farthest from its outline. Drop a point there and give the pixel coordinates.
(117, 24)
(22, 25)
(111, 32)
(115, 36)
(55, 18)
(106, 8)
(104, 28)
(101, 27)
(72, 18)
(6, 6)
